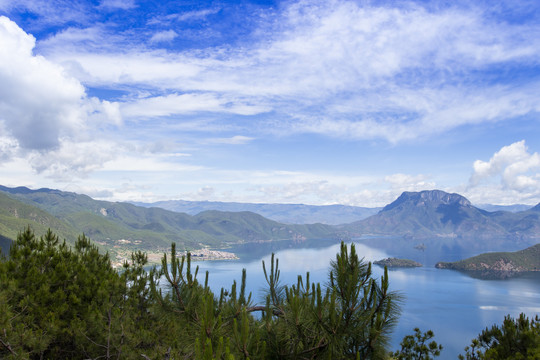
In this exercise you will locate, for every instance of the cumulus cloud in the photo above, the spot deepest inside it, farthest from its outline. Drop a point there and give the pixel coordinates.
(44, 110)
(516, 167)
(8, 148)
(37, 100)
(72, 159)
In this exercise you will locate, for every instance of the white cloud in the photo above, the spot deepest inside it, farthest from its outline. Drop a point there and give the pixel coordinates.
(187, 103)
(51, 11)
(118, 4)
(235, 140)
(164, 36)
(341, 69)
(517, 170)
(405, 182)
(73, 159)
(44, 112)
(196, 15)
(8, 147)
(37, 100)
(206, 192)
(296, 191)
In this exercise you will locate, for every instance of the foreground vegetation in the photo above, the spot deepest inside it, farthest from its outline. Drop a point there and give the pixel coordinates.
(62, 302)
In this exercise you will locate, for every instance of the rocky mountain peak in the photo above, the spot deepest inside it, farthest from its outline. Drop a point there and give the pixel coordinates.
(428, 198)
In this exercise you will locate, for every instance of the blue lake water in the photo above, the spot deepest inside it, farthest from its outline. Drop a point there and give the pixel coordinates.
(452, 304)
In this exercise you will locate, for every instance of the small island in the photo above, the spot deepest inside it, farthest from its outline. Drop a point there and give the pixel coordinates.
(397, 263)
(498, 265)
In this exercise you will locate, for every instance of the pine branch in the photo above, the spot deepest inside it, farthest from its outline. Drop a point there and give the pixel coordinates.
(7, 346)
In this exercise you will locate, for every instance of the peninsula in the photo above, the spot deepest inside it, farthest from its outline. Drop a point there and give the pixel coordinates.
(513, 262)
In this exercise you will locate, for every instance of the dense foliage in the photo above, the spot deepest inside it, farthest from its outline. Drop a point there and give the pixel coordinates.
(62, 302)
(417, 347)
(515, 339)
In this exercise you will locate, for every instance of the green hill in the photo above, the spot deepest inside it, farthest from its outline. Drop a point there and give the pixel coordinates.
(128, 227)
(519, 261)
(15, 216)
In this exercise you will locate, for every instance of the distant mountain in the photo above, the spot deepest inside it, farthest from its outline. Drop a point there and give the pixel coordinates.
(437, 214)
(129, 226)
(502, 263)
(285, 213)
(424, 215)
(511, 208)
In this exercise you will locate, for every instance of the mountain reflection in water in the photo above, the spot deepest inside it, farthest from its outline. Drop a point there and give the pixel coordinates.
(452, 304)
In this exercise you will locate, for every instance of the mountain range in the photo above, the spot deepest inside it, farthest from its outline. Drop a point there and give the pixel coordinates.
(429, 214)
(284, 213)
(113, 224)
(297, 213)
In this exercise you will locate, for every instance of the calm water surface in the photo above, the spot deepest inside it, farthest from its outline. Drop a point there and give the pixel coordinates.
(452, 304)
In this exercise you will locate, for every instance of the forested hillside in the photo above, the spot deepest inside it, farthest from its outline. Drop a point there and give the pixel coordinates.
(137, 228)
(518, 261)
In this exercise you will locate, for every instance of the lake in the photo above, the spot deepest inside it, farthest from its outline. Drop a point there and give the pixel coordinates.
(452, 304)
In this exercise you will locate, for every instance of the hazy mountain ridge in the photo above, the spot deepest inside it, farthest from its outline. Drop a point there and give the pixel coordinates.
(284, 213)
(154, 228)
(435, 213)
(430, 214)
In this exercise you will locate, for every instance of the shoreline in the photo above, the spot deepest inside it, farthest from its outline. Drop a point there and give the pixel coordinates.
(154, 258)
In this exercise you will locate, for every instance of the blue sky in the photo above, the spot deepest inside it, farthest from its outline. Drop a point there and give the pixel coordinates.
(316, 102)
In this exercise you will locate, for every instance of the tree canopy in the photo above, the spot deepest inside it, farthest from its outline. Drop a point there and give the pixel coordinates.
(62, 302)
(59, 302)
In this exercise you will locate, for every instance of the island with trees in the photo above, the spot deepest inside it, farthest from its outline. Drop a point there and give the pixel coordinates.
(397, 263)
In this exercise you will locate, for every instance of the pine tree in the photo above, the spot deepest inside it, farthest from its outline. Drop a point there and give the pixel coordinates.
(352, 316)
(514, 339)
(68, 303)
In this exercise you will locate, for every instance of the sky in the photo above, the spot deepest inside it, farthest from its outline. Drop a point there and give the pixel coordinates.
(314, 102)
